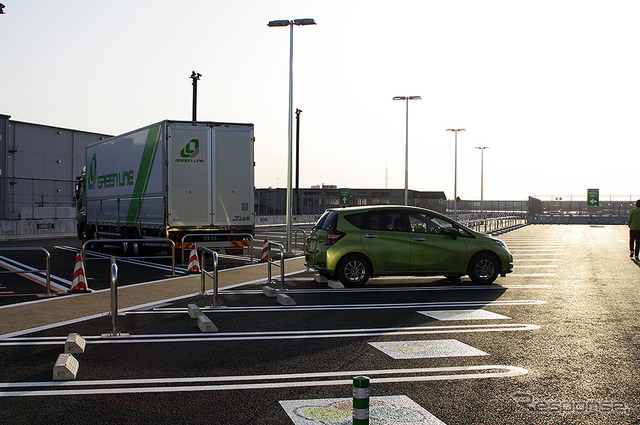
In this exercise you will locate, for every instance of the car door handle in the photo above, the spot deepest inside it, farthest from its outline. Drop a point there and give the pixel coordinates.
(370, 236)
(418, 239)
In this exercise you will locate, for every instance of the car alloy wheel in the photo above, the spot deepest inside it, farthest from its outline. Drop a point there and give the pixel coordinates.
(483, 268)
(353, 271)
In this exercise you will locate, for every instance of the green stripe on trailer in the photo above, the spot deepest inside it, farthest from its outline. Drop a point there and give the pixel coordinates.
(144, 173)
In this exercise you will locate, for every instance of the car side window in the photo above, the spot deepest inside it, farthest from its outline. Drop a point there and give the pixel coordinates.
(357, 220)
(385, 220)
(423, 223)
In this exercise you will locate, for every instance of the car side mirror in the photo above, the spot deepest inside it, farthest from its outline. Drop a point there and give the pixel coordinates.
(451, 232)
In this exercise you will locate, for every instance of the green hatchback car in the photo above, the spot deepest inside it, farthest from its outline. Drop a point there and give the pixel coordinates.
(355, 243)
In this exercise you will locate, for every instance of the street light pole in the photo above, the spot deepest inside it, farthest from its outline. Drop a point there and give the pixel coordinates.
(406, 147)
(288, 23)
(455, 172)
(482, 148)
(195, 77)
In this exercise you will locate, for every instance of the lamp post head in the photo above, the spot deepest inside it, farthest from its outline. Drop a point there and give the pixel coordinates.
(407, 98)
(306, 21)
(280, 23)
(286, 23)
(456, 129)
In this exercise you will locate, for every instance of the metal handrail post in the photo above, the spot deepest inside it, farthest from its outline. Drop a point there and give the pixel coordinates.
(47, 262)
(165, 240)
(202, 274)
(241, 235)
(284, 288)
(269, 263)
(114, 297)
(216, 283)
(215, 278)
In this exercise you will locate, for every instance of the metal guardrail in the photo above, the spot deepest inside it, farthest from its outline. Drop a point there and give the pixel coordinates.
(214, 276)
(270, 262)
(117, 241)
(47, 270)
(490, 225)
(240, 235)
(276, 234)
(304, 238)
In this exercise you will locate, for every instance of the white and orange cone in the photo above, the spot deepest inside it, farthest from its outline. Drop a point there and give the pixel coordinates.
(79, 283)
(265, 251)
(194, 264)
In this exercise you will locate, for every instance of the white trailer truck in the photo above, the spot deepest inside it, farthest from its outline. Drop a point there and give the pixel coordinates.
(168, 180)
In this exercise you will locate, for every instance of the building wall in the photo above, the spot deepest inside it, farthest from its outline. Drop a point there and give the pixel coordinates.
(39, 167)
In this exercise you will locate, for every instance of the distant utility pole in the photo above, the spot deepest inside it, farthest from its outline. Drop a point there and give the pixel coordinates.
(195, 77)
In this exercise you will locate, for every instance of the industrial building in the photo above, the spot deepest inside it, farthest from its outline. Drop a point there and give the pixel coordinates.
(38, 167)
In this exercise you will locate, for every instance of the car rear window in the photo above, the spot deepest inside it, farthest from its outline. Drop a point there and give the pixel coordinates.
(327, 221)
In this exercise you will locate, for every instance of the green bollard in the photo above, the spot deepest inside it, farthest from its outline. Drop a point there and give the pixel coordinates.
(361, 395)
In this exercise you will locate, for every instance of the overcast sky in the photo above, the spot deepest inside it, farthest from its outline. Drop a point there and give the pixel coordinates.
(551, 87)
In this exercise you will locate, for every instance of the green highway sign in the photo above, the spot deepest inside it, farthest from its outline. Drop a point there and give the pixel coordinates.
(345, 197)
(593, 197)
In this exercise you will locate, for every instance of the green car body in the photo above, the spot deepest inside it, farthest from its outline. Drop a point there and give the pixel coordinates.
(355, 243)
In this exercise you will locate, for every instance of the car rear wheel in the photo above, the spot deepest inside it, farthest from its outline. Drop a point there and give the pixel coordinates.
(353, 271)
(484, 268)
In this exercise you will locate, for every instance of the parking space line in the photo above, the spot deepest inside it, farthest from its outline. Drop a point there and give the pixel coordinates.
(277, 335)
(37, 277)
(231, 382)
(350, 306)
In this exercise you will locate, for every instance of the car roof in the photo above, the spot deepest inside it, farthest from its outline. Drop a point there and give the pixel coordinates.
(380, 207)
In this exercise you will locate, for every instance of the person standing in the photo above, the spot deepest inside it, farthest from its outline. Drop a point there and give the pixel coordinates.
(634, 231)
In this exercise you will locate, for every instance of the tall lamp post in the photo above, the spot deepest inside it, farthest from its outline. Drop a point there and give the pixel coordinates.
(195, 76)
(482, 148)
(406, 147)
(287, 23)
(455, 172)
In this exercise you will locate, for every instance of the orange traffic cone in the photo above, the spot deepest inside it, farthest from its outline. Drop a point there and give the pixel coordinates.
(194, 264)
(79, 283)
(265, 251)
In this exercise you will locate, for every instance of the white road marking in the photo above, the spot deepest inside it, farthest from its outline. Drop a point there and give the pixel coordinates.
(232, 382)
(477, 314)
(353, 306)
(276, 335)
(56, 281)
(426, 349)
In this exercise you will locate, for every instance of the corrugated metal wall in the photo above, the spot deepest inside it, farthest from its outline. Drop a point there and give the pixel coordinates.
(39, 168)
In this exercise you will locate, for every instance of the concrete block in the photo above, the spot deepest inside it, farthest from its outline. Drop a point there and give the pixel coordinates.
(335, 284)
(74, 344)
(206, 325)
(285, 299)
(65, 368)
(194, 311)
(319, 278)
(269, 291)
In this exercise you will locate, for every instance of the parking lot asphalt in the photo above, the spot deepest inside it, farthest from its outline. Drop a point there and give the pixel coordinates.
(556, 341)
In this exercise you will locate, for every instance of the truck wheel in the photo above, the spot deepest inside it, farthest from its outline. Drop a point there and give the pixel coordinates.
(353, 271)
(484, 268)
(93, 234)
(82, 233)
(126, 246)
(135, 247)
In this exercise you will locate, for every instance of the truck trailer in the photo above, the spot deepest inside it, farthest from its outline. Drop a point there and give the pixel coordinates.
(168, 180)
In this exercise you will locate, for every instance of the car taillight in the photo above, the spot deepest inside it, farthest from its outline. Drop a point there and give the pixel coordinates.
(334, 236)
